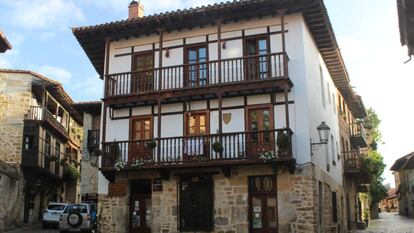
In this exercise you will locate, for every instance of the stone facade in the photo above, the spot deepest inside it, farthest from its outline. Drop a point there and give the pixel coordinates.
(297, 200)
(89, 174)
(11, 200)
(15, 99)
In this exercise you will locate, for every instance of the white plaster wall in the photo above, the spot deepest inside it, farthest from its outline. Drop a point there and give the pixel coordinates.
(237, 123)
(172, 125)
(318, 112)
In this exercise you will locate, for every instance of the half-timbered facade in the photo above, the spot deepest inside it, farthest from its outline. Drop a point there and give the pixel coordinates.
(210, 114)
(41, 133)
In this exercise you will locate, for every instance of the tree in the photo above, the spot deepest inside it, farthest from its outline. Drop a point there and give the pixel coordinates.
(374, 164)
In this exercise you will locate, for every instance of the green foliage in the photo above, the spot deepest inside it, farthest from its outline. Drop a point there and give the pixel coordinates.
(374, 121)
(374, 164)
(70, 173)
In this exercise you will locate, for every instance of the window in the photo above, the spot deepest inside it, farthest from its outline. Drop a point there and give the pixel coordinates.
(57, 149)
(334, 208)
(262, 204)
(320, 204)
(142, 78)
(197, 124)
(28, 142)
(257, 65)
(48, 146)
(322, 88)
(197, 73)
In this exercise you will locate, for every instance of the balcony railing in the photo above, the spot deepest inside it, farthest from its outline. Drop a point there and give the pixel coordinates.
(38, 113)
(211, 73)
(178, 151)
(359, 135)
(93, 139)
(352, 161)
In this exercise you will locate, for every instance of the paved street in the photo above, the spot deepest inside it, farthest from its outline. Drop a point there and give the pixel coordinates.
(37, 229)
(390, 223)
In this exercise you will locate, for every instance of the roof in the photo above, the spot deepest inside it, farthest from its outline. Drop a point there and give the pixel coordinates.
(94, 107)
(93, 38)
(405, 162)
(56, 89)
(406, 23)
(4, 43)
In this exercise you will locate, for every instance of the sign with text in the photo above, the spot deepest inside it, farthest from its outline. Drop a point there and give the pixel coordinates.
(157, 184)
(118, 188)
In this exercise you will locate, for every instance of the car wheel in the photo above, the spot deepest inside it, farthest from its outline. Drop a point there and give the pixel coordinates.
(74, 219)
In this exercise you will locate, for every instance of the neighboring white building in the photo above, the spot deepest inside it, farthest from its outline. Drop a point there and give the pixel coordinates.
(234, 78)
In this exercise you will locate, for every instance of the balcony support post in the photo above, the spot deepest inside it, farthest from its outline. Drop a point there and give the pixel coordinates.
(160, 51)
(287, 108)
(220, 105)
(219, 24)
(282, 28)
(159, 131)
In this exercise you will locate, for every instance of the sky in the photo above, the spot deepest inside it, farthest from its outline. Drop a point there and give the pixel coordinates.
(366, 31)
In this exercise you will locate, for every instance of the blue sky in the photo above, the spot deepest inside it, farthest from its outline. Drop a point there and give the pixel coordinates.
(367, 32)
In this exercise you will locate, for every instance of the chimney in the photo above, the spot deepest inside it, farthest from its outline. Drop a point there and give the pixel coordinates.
(136, 10)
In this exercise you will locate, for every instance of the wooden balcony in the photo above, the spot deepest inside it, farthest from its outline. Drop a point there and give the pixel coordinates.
(46, 162)
(260, 71)
(197, 151)
(93, 140)
(352, 161)
(359, 136)
(41, 114)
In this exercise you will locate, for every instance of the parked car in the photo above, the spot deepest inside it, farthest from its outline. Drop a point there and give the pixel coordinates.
(77, 218)
(52, 213)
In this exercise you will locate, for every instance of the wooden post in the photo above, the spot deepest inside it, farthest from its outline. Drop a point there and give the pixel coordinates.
(282, 22)
(159, 131)
(287, 108)
(219, 23)
(160, 50)
(220, 118)
(104, 107)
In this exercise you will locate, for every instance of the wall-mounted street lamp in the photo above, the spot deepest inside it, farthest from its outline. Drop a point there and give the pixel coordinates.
(323, 132)
(94, 157)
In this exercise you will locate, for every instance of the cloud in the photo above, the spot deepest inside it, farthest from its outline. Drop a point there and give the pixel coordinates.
(93, 84)
(151, 6)
(56, 73)
(41, 14)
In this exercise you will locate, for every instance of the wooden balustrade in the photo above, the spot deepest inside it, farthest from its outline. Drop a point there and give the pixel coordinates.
(93, 139)
(352, 160)
(197, 149)
(233, 70)
(39, 113)
(359, 135)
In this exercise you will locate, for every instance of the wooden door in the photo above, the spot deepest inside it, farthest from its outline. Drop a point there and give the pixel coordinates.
(196, 143)
(257, 64)
(196, 205)
(141, 135)
(196, 70)
(260, 139)
(263, 204)
(140, 214)
(142, 79)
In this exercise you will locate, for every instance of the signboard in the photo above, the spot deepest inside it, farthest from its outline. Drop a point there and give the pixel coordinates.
(157, 185)
(118, 189)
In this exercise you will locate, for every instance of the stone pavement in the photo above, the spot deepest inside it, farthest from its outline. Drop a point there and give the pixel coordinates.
(35, 229)
(390, 223)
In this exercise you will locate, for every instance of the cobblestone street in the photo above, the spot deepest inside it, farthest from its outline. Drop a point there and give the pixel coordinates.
(390, 223)
(35, 229)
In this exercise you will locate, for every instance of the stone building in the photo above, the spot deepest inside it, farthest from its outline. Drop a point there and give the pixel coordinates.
(403, 169)
(91, 112)
(223, 118)
(40, 138)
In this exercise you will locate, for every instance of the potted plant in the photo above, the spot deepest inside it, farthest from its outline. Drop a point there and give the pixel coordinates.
(283, 143)
(217, 147)
(70, 173)
(151, 145)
